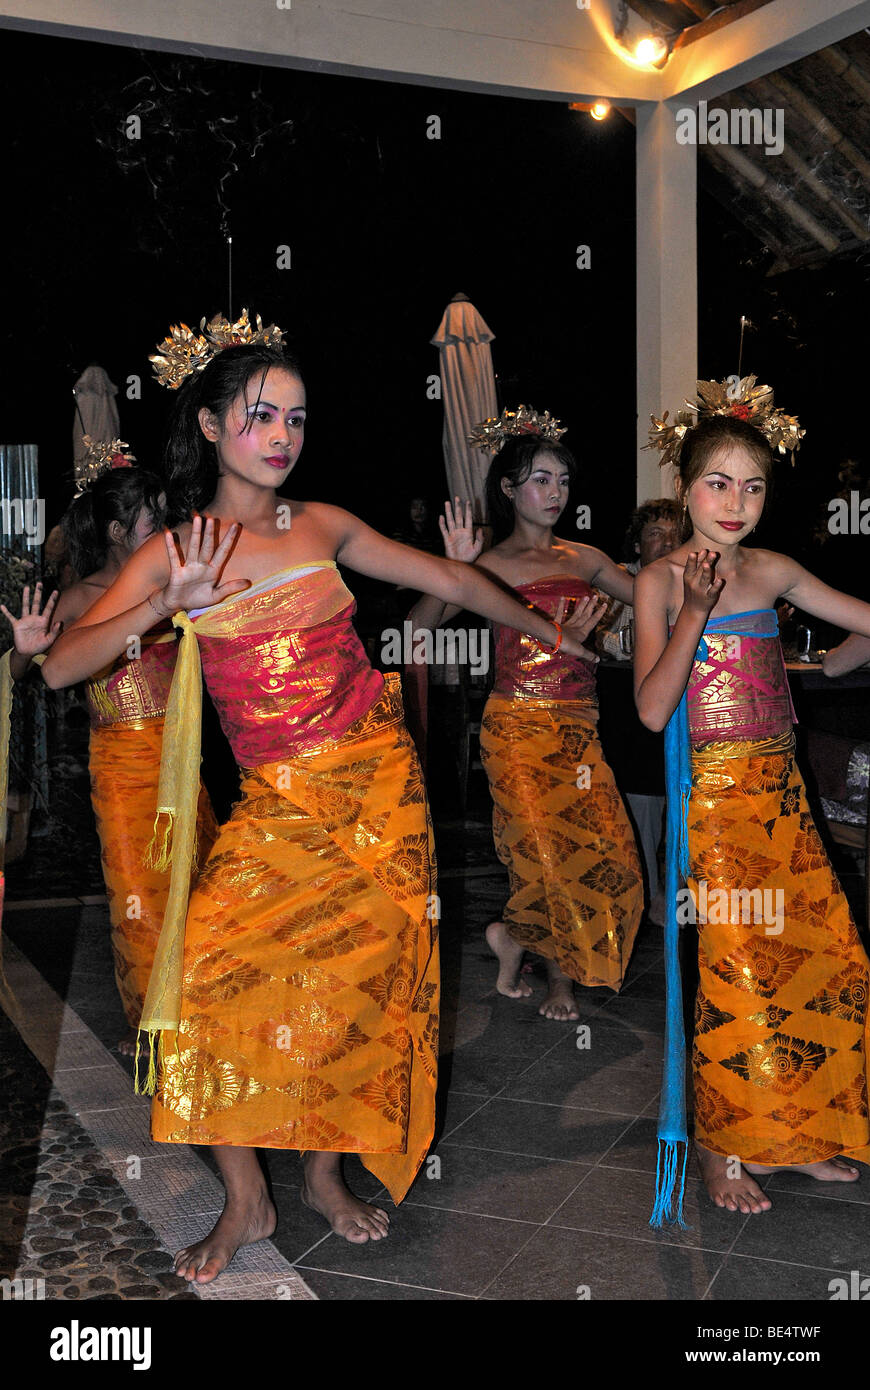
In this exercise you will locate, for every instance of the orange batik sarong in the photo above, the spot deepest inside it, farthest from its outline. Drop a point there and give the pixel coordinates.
(124, 767)
(562, 832)
(310, 976)
(780, 1036)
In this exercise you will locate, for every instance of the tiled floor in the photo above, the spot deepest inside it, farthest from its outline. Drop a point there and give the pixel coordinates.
(540, 1183)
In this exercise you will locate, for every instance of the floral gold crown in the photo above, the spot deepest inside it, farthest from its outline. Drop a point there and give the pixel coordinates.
(99, 457)
(738, 397)
(185, 352)
(490, 435)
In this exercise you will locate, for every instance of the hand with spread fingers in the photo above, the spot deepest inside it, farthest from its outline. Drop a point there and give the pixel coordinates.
(461, 541)
(33, 633)
(194, 581)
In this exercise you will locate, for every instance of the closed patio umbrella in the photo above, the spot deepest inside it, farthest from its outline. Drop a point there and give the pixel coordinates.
(468, 393)
(96, 412)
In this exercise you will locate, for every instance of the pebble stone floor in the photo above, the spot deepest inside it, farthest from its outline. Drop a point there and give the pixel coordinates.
(539, 1186)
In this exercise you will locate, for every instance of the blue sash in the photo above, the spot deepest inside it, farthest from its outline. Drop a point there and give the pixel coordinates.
(672, 1129)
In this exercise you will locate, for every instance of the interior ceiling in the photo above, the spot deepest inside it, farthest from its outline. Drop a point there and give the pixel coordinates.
(812, 201)
(691, 19)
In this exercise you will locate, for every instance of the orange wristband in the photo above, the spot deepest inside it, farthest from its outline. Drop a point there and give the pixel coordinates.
(551, 651)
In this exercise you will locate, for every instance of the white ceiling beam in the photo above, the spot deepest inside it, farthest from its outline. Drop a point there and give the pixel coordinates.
(780, 33)
(556, 52)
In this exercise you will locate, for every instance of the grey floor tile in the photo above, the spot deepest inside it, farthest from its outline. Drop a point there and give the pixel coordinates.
(494, 1184)
(546, 1131)
(476, 1072)
(648, 1014)
(636, 1148)
(620, 1202)
(508, 1026)
(588, 1078)
(808, 1230)
(344, 1287)
(767, 1281)
(650, 984)
(454, 1108)
(571, 1265)
(444, 1250)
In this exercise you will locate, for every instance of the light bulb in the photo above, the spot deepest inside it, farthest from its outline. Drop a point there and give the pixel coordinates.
(650, 49)
(599, 110)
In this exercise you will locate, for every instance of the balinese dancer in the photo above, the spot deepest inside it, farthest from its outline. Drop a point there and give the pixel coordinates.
(116, 508)
(298, 1005)
(560, 827)
(779, 1055)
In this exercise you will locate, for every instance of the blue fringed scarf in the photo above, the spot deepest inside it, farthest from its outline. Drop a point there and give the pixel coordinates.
(672, 1128)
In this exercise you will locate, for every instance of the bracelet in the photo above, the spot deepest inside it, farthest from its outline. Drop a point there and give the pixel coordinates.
(156, 610)
(551, 651)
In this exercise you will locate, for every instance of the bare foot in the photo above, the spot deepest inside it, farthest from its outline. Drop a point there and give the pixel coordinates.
(510, 960)
(127, 1045)
(325, 1191)
(829, 1170)
(733, 1192)
(560, 1003)
(241, 1222)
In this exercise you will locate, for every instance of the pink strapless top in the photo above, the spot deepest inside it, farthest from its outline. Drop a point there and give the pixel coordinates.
(522, 669)
(741, 690)
(285, 688)
(132, 690)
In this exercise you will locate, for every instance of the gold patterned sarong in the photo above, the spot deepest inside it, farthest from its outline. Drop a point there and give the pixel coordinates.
(309, 1014)
(562, 831)
(780, 1035)
(124, 767)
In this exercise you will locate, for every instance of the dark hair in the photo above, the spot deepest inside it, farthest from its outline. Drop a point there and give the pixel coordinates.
(656, 509)
(190, 458)
(515, 461)
(118, 495)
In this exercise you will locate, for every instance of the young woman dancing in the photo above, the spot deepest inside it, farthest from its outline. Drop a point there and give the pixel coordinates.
(559, 823)
(299, 1002)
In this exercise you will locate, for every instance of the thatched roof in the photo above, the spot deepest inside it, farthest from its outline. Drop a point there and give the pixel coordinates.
(812, 200)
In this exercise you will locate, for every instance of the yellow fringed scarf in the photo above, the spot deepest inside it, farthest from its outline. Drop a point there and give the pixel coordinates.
(174, 842)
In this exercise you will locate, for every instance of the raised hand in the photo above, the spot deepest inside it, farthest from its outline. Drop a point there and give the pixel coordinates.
(193, 581)
(701, 587)
(34, 632)
(461, 541)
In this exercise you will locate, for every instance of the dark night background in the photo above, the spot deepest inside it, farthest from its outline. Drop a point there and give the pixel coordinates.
(111, 240)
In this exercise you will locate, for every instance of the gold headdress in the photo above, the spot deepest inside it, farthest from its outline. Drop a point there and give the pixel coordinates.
(185, 352)
(738, 397)
(490, 435)
(99, 457)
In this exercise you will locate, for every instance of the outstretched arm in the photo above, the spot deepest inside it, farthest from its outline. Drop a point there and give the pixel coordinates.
(463, 585)
(612, 578)
(662, 667)
(851, 653)
(805, 591)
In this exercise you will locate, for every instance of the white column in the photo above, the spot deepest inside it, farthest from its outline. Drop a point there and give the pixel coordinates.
(667, 281)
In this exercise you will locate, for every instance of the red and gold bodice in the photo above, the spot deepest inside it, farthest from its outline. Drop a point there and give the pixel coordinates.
(523, 668)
